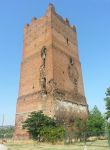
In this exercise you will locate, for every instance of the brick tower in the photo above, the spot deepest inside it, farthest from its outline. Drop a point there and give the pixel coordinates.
(50, 78)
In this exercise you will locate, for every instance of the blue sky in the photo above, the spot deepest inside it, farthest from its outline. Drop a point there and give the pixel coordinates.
(92, 20)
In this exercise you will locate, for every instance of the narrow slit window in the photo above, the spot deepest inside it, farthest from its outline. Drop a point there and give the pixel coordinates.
(67, 41)
(71, 60)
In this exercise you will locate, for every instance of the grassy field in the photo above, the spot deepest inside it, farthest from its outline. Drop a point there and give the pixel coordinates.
(97, 145)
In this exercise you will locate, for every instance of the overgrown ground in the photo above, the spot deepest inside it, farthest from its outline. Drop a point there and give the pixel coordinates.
(97, 145)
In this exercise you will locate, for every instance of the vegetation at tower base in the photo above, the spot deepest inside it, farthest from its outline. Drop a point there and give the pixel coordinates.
(46, 129)
(93, 126)
(80, 127)
(95, 122)
(6, 132)
(107, 103)
(43, 128)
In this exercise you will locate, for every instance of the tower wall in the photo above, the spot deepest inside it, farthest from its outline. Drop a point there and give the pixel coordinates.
(50, 77)
(64, 42)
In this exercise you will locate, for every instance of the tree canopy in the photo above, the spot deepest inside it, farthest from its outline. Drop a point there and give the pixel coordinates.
(107, 103)
(42, 127)
(95, 122)
(6, 131)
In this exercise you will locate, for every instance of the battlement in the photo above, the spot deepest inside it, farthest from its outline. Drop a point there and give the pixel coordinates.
(50, 10)
(44, 29)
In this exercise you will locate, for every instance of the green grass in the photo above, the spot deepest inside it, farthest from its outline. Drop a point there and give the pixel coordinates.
(97, 145)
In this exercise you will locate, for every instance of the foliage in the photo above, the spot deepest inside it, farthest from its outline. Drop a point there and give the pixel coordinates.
(93, 126)
(80, 129)
(107, 103)
(95, 122)
(6, 132)
(42, 127)
(53, 134)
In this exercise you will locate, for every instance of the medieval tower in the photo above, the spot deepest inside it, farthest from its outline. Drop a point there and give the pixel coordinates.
(51, 77)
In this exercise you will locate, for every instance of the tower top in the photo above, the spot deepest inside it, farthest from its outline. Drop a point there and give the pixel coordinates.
(51, 8)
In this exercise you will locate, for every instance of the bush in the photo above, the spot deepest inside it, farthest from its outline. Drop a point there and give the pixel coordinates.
(43, 128)
(53, 134)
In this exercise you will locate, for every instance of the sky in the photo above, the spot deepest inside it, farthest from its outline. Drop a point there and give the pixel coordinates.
(92, 21)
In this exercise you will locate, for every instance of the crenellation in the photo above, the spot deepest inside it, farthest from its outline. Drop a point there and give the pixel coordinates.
(34, 19)
(73, 28)
(51, 9)
(67, 21)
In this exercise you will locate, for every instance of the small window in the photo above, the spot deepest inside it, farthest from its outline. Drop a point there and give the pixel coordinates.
(67, 41)
(71, 60)
(33, 87)
(44, 85)
(43, 52)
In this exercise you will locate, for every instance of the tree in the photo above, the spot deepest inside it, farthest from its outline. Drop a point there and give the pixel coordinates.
(53, 134)
(6, 132)
(80, 127)
(43, 127)
(107, 103)
(95, 122)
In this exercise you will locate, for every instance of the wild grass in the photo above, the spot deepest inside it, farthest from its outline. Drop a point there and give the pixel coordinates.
(31, 145)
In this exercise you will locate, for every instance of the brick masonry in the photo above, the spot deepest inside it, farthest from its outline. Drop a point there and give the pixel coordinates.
(51, 77)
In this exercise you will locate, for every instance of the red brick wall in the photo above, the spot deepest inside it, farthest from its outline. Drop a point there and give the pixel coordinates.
(53, 32)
